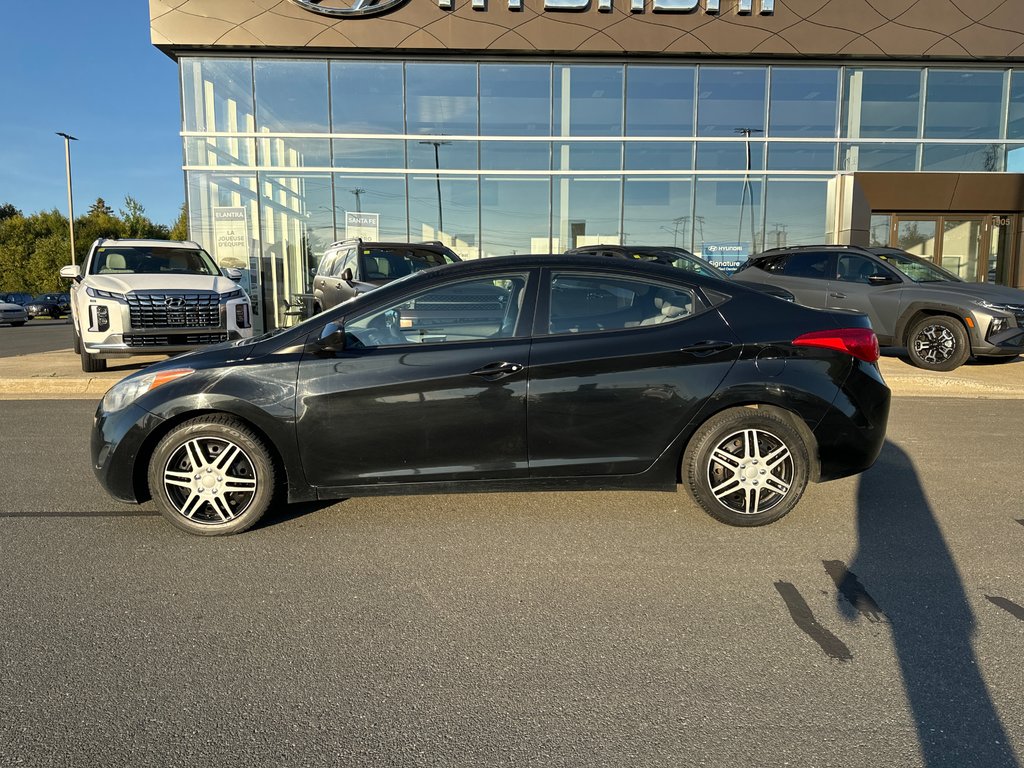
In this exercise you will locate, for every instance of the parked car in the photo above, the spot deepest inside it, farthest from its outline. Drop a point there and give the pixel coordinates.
(53, 305)
(671, 256)
(144, 297)
(600, 375)
(351, 267)
(17, 297)
(940, 319)
(11, 313)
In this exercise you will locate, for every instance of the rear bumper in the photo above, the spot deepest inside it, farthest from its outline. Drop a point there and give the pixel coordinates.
(852, 432)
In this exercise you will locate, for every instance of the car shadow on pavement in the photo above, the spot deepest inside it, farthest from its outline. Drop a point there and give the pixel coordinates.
(903, 558)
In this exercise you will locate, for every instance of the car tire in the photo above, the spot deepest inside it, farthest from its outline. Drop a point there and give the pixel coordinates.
(739, 454)
(91, 363)
(212, 476)
(18, 324)
(938, 343)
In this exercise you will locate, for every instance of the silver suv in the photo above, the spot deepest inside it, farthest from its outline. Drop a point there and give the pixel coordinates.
(939, 318)
(140, 297)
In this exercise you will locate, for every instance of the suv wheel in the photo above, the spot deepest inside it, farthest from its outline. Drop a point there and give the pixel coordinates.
(91, 363)
(211, 476)
(746, 467)
(938, 343)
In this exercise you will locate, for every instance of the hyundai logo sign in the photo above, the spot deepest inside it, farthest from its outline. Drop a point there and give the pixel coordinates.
(343, 9)
(174, 302)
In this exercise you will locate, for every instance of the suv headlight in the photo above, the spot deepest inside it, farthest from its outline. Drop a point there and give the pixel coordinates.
(96, 293)
(1011, 308)
(129, 390)
(232, 295)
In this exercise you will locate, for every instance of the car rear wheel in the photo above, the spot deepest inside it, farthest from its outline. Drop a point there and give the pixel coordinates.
(938, 343)
(212, 476)
(746, 467)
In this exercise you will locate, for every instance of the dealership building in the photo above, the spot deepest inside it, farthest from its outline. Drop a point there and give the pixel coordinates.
(532, 126)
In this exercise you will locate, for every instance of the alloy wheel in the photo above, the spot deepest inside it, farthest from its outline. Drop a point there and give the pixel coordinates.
(935, 344)
(750, 471)
(210, 480)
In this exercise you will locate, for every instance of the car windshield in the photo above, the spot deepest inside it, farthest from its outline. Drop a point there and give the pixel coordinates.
(392, 263)
(917, 269)
(151, 260)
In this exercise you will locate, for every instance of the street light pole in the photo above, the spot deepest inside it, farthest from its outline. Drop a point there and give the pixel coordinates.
(437, 176)
(71, 206)
(357, 192)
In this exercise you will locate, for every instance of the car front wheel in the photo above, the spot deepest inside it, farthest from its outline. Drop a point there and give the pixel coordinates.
(938, 343)
(212, 476)
(746, 467)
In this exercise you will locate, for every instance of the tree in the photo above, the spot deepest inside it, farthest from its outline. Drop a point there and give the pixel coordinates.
(7, 211)
(100, 208)
(134, 217)
(180, 229)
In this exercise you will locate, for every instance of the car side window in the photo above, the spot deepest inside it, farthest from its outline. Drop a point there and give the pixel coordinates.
(327, 264)
(810, 264)
(854, 268)
(468, 310)
(346, 260)
(584, 303)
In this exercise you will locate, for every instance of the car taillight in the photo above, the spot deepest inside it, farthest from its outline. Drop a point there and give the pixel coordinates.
(862, 343)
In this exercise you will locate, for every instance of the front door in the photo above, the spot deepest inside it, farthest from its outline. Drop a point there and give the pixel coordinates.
(976, 248)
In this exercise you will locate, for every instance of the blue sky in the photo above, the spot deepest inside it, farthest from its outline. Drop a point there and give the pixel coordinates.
(87, 68)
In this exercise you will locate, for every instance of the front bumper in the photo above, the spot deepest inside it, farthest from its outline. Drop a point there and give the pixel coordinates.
(117, 440)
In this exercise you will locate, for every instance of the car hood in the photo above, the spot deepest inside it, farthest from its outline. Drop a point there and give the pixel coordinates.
(997, 294)
(8, 306)
(167, 281)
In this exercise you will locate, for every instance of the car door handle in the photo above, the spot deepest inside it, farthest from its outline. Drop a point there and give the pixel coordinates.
(838, 295)
(705, 348)
(495, 371)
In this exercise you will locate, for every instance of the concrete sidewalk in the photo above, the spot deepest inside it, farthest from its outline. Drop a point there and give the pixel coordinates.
(58, 375)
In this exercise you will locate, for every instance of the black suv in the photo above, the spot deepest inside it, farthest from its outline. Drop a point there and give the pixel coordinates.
(673, 256)
(351, 267)
(939, 318)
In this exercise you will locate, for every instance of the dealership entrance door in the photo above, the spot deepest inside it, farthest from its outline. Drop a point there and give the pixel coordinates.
(976, 247)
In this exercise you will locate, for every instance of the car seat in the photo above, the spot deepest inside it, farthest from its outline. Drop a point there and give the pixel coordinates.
(668, 305)
(115, 262)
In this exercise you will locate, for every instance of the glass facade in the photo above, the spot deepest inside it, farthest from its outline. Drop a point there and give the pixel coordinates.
(512, 157)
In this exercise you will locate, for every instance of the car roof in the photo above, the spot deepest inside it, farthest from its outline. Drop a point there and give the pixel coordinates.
(838, 248)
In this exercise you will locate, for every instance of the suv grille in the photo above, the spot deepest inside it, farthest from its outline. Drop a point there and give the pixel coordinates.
(174, 310)
(175, 339)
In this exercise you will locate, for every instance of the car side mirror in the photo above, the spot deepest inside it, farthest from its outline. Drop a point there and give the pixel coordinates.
(332, 338)
(347, 275)
(232, 274)
(71, 272)
(881, 280)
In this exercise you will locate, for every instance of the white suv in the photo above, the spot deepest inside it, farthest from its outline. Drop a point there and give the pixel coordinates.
(138, 297)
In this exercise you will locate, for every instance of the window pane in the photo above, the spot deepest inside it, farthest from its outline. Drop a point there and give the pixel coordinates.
(728, 220)
(367, 97)
(587, 156)
(730, 100)
(1015, 158)
(442, 153)
(291, 96)
(659, 101)
(801, 157)
(369, 153)
(659, 155)
(1016, 125)
(584, 303)
(881, 224)
(294, 153)
(729, 155)
(963, 105)
(219, 151)
(514, 215)
(588, 101)
(962, 157)
(880, 157)
(382, 195)
(658, 212)
(795, 212)
(804, 102)
(882, 103)
(441, 98)
(451, 217)
(217, 95)
(515, 100)
(585, 211)
(515, 155)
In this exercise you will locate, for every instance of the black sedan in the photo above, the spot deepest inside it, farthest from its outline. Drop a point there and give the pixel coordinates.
(49, 305)
(590, 374)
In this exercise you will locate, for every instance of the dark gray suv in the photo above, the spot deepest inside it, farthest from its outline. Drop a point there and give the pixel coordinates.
(940, 319)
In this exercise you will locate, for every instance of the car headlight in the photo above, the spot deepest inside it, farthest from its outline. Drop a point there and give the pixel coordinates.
(126, 392)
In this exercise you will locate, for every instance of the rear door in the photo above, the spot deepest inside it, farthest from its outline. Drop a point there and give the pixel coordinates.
(619, 366)
(805, 274)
